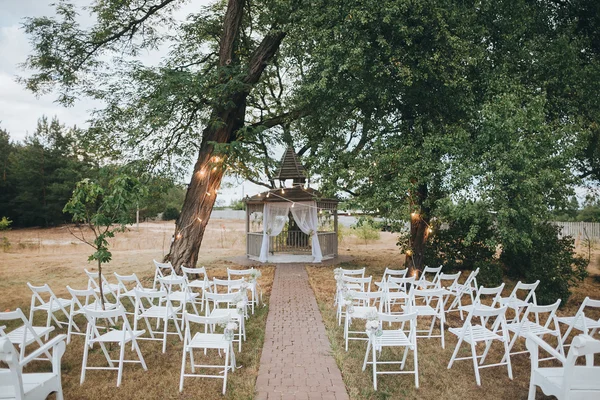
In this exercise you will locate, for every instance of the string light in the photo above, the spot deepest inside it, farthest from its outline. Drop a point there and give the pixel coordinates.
(208, 193)
(414, 214)
(293, 205)
(282, 191)
(409, 252)
(178, 236)
(199, 219)
(429, 230)
(214, 169)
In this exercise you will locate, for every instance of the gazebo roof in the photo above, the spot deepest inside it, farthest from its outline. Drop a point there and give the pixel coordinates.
(293, 194)
(290, 167)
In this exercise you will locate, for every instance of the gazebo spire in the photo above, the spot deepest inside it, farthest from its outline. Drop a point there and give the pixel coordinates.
(291, 167)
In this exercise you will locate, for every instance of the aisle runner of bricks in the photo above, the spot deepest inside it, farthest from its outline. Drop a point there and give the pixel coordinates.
(296, 361)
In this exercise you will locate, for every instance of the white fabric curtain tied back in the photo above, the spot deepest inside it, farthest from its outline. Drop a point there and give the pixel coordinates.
(275, 216)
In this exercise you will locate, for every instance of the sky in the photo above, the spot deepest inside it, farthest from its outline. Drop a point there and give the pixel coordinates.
(20, 109)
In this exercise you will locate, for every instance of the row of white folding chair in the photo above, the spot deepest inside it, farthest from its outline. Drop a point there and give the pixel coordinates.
(353, 284)
(24, 334)
(356, 273)
(252, 284)
(582, 322)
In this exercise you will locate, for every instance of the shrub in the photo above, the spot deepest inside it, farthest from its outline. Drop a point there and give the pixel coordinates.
(365, 229)
(170, 213)
(5, 224)
(550, 259)
(490, 273)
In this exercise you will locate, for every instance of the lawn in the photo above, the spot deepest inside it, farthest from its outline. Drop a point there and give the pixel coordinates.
(436, 381)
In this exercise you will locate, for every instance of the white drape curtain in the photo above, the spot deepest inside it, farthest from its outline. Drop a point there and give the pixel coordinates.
(305, 215)
(275, 216)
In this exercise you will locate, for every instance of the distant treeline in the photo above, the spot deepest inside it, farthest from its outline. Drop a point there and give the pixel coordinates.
(38, 175)
(573, 212)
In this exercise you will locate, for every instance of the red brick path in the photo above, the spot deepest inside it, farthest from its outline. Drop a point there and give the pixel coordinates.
(296, 361)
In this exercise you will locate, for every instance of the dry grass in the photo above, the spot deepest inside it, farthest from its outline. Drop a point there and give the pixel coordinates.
(436, 381)
(52, 256)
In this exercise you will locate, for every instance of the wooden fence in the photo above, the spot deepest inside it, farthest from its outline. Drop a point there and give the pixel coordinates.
(580, 230)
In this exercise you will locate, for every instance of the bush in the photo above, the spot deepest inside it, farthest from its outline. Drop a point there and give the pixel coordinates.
(490, 273)
(550, 259)
(365, 229)
(170, 213)
(5, 224)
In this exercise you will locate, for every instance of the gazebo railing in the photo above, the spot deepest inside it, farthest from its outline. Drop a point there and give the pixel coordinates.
(253, 243)
(290, 242)
(328, 243)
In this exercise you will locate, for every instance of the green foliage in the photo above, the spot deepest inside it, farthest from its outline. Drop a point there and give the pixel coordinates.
(5, 224)
(469, 238)
(170, 213)
(551, 260)
(237, 205)
(490, 273)
(105, 208)
(366, 229)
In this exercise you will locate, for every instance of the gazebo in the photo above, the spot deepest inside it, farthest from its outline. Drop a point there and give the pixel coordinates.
(291, 224)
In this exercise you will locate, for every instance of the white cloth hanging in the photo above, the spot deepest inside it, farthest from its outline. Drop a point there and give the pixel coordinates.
(305, 215)
(275, 216)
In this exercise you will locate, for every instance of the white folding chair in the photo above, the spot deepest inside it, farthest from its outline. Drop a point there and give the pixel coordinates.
(532, 323)
(162, 270)
(14, 384)
(397, 291)
(459, 290)
(425, 283)
(205, 341)
(224, 306)
(127, 285)
(50, 305)
(145, 308)
(388, 273)
(90, 300)
(361, 308)
(571, 381)
(448, 283)
(428, 303)
(339, 273)
(489, 295)
(252, 284)
(517, 304)
(179, 292)
(395, 337)
(580, 321)
(93, 277)
(119, 336)
(354, 284)
(197, 278)
(25, 334)
(473, 333)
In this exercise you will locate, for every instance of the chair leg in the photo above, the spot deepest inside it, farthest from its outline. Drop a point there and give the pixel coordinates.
(84, 362)
(474, 356)
(121, 362)
(226, 369)
(460, 340)
(166, 323)
(374, 367)
(346, 331)
(532, 388)
(367, 354)
(416, 365)
(182, 370)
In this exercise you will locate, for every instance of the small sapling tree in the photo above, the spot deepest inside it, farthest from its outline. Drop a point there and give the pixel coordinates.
(104, 209)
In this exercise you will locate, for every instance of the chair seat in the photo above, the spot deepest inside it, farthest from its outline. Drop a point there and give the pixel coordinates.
(96, 306)
(117, 336)
(182, 296)
(32, 382)
(112, 287)
(16, 336)
(513, 303)
(361, 312)
(530, 327)
(225, 313)
(423, 310)
(209, 341)
(392, 338)
(585, 379)
(478, 334)
(160, 312)
(199, 284)
(64, 303)
(589, 323)
(469, 308)
(460, 288)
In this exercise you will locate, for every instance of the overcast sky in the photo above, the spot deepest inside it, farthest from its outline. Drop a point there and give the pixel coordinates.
(20, 109)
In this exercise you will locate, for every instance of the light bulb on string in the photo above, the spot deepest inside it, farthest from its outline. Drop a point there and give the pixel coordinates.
(208, 193)
(268, 194)
(429, 230)
(199, 219)
(414, 214)
(214, 169)
(293, 205)
(178, 236)
(282, 191)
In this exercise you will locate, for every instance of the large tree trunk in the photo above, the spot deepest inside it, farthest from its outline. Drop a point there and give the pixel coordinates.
(419, 224)
(208, 170)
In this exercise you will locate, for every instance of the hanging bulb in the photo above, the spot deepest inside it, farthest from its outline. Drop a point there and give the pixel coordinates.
(214, 169)
(282, 191)
(199, 219)
(178, 236)
(414, 214)
(268, 194)
(208, 193)
(293, 205)
(429, 230)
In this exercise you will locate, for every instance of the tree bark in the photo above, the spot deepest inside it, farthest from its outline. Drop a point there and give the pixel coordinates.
(209, 169)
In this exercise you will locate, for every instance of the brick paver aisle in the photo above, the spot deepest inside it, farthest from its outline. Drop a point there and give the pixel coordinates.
(296, 361)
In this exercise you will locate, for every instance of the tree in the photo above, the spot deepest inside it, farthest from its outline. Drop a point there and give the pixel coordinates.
(194, 104)
(105, 209)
